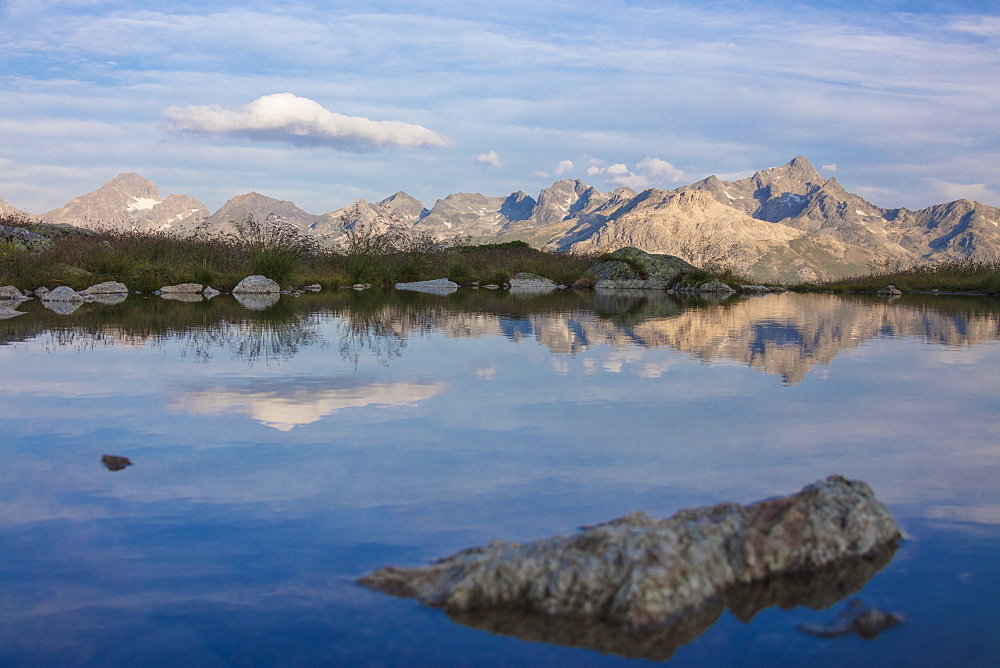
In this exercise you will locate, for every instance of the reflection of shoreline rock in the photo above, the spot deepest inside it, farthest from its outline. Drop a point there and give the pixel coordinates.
(856, 618)
(437, 286)
(109, 298)
(257, 302)
(816, 589)
(7, 311)
(637, 571)
(188, 297)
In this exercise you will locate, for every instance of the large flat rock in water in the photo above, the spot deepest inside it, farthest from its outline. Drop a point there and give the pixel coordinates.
(636, 571)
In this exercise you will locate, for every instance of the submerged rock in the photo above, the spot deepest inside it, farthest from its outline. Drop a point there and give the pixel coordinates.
(115, 463)
(438, 286)
(633, 269)
(257, 285)
(856, 618)
(312, 287)
(636, 571)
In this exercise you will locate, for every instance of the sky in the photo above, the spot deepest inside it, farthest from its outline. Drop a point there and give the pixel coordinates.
(322, 103)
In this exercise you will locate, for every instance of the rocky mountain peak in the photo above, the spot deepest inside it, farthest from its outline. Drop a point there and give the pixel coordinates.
(409, 208)
(130, 201)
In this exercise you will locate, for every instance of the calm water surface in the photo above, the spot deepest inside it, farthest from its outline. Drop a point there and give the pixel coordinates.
(280, 453)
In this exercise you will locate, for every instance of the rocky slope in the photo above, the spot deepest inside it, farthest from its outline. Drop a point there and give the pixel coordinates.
(130, 201)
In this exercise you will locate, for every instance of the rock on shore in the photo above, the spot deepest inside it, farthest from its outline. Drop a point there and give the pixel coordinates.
(257, 285)
(636, 571)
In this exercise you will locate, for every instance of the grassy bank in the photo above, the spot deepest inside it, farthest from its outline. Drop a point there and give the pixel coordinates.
(146, 262)
(956, 276)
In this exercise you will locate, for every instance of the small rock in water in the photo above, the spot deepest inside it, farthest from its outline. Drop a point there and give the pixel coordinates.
(115, 463)
(889, 291)
(856, 618)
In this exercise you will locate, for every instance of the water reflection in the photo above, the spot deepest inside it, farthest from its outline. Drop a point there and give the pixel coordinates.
(814, 589)
(783, 335)
(284, 405)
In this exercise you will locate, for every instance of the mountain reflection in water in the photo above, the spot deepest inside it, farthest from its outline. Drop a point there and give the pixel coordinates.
(784, 335)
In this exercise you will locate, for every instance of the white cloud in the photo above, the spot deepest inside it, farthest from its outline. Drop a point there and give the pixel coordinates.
(563, 167)
(651, 170)
(490, 158)
(539, 174)
(659, 167)
(953, 191)
(299, 120)
(829, 168)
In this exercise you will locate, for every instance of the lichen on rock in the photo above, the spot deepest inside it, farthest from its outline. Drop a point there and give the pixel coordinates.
(636, 571)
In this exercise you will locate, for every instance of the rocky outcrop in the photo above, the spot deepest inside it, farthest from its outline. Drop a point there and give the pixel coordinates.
(22, 238)
(63, 294)
(11, 293)
(182, 288)
(437, 286)
(637, 571)
(634, 269)
(527, 282)
(256, 285)
(714, 288)
(106, 288)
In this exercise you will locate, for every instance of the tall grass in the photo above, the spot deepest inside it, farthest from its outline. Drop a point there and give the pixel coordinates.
(965, 275)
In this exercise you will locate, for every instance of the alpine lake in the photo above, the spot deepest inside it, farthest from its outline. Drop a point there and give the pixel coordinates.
(280, 449)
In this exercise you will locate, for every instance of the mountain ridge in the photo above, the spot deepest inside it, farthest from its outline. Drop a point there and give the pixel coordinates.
(785, 222)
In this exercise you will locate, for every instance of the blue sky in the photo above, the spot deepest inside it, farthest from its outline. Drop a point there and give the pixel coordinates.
(322, 104)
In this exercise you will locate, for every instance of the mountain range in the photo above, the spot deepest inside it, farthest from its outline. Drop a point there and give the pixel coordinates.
(785, 223)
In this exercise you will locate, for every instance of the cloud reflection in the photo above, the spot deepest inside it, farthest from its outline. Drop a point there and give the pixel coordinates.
(284, 406)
